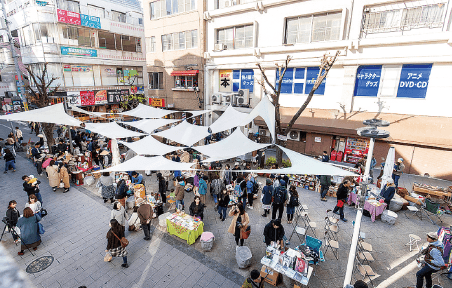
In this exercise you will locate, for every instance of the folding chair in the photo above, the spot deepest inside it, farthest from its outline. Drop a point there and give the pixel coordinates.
(363, 246)
(308, 224)
(366, 271)
(331, 225)
(414, 240)
(300, 231)
(431, 209)
(331, 244)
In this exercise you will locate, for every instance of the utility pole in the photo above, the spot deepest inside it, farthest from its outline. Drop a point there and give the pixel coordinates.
(20, 87)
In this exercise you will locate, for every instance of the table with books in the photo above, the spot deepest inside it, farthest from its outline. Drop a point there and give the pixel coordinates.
(290, 263)
(184, 226)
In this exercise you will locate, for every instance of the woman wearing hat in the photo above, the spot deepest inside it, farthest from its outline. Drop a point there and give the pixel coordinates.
(433, 260)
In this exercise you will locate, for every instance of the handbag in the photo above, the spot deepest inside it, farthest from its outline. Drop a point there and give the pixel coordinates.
(43, 212)
(245, 234)
(41, 229)
(108, 257)
(340, 203)
(132, 227)
(123, 240)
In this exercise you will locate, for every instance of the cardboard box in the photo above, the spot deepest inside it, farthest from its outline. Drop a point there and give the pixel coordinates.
(270, 276)
(296, 286)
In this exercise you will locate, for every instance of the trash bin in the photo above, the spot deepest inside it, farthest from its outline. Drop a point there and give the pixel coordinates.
(243, 256)
(207, 239)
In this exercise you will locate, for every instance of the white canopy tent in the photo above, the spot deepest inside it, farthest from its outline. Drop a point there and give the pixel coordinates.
(266, 110)
(144, 111)
(197, 112)
(95, 114)
(232, 146)
(50, 114)
(231, 118)
(150, 146)
(150, 125)
(111, 130)
(142, 163)
(185, 133)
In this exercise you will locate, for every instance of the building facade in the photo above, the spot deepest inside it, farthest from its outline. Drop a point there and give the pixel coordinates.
(174, 31)
(94, 48)
(395, 58)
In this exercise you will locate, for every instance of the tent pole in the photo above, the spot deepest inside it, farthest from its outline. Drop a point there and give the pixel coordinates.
(351, 255)
(68, 127)
(369, 159)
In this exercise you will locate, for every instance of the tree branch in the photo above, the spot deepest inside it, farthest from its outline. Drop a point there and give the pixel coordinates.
(265, 78)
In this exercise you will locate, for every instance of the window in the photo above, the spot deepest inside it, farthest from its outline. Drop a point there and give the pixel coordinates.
(236, 37)
(107, 40)
(140, 21)
(118, 16)
(70, 32)
(314, 28)
(162, 8)
(220, 4)
(155, 80)
(180, 41)
(96, 11)
(28, 35)
(130, 44)
(86, 37)
(300, 81)
(69, 5)
(387, 19)
(150, 43)
(185, 82)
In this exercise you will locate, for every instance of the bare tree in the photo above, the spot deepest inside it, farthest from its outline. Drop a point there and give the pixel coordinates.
(325, 65)
(42, 95)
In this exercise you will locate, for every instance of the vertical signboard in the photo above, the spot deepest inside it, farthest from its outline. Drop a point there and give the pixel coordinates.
(414, 80)
(367, 80)
(247, 79)
(225, 80)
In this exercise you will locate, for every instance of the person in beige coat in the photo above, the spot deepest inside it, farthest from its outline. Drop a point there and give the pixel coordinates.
(64, 176)
(240, 222)
(54, 177)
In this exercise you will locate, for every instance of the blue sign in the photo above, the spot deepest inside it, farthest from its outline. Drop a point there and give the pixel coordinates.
(90, 21)
(311, 77)
(235, 80)
(414, 80)
(287, 81)
(78, 51)
(368, 80)
(247, 79)
(299, 76)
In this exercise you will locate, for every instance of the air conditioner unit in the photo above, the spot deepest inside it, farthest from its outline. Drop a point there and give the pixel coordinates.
(243, 97)
(264, 132)
(216, 99)
(227, 99)
(220, 47)
(294, 135)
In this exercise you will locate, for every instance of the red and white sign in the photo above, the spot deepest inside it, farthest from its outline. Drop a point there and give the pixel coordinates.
(157, 102)
(87, 98)
(68, 17)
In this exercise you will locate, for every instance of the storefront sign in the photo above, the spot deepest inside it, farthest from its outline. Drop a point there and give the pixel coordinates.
(87, 98)
(281, 137)
(67, 68)
(117, 96)
(90, 21)
(287, 81)
(225, 80)
(311, 77)
(100, 97)
(158, 102)
(78, 51)
(414, 80)
(318, 139)
(41, 3)
(80, 68)
(68, 17)
(247, 79)
(368, 80)
(73, 98)
(140, 90)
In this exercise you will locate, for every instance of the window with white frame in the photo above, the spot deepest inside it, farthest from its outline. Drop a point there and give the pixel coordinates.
(185, 82)
(69, 5)
(150, 43)
(155, 80)
(236, 37)
(180, 40)
(96, 11)
(118, 16)
(70, 32)
(162, 8)
(313, 28)
(220, 4)
(394, 17)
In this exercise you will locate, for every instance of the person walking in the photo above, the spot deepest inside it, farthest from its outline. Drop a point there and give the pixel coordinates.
(398, 171)
(196, 179)
(226, 175)
(64, 176)
(162, 186)
(119, 213)
(12, 216)
(28, 226)
(121, 192)
(10, 160)
(216, 187)
(239, 223)
(325, 183)
(106, 183)
(433, 260)
(235, 171)
(145, 214)
(341, 196)
(31, 187)
(19, 135)
(37, 157)
(196, 208)
(114, 247)
(203, 188)
(180, 193)
(279, 199)
(388, 192)
(293, 202)
(249, 190)
(54, 176)
(325, 157)
(34, 204)
(267, 193)
(223, 203)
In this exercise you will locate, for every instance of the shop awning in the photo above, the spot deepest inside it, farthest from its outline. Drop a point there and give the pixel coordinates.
(185, 73)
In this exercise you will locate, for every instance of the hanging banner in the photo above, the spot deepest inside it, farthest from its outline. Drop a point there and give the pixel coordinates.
(140, 90)
(78, 51)
(368, 80)
(414, 80)
(157, 102)
(68, 17)
(100, 97)
(247, 79)
(225, 80)
(87, 98)
(73, 98)
(90, 21)
(117, 96)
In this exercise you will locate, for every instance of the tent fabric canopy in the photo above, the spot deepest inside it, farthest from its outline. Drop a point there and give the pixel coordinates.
(150, 125)
(197, 112)
(150, 146)
(141, 163)
(232, 146)
(231, 118)
(50, 114)
(96, 114)
(144, 111)
(266, 110)
(111, 130)
(185, 133)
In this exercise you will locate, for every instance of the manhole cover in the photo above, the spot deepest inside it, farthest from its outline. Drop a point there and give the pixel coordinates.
(39, 264)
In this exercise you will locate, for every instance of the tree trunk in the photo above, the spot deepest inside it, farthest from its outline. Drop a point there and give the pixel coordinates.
(47, 128)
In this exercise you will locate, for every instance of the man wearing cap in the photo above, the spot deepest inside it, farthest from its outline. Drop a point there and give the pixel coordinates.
(145, 214)
(398, 171)
(433, 260)
(388, 191)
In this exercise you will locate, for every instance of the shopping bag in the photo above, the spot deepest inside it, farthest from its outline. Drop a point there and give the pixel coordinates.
(245, 234)
(340, 203)
(41, 229)
(17, 230)
(108, 257)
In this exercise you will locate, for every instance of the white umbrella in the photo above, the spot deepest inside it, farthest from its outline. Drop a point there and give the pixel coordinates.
(389, 167)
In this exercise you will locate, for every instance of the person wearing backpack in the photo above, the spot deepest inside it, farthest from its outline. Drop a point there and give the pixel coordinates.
(121, 192)
(267, 193)
(241, 189)
(249, 190)
(279, 199)
(293, 202)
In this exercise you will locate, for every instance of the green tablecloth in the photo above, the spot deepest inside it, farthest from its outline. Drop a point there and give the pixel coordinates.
(184, 233)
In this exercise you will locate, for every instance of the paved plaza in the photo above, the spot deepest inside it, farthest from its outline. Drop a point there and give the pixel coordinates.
(78, 222)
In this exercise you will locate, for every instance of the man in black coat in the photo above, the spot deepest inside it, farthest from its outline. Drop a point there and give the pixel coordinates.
(274, 232)
(388, 191)
(162, 187)
(341, 196)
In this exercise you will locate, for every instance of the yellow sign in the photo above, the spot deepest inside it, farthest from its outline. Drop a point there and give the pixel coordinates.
(225, 80)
